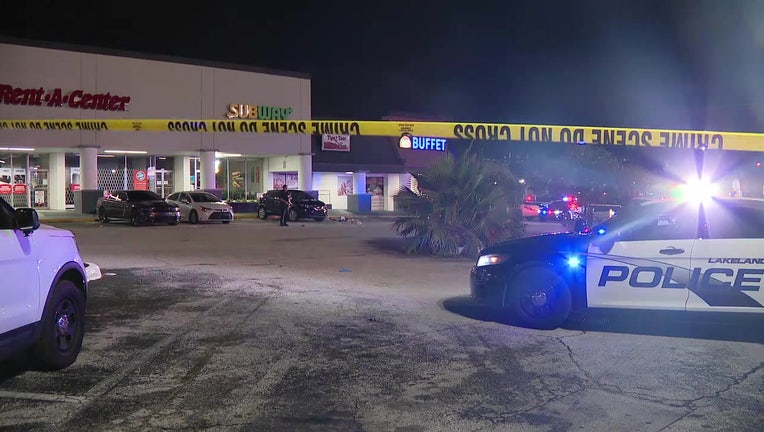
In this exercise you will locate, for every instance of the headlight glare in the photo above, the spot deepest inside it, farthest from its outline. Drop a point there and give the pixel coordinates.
(491, 259)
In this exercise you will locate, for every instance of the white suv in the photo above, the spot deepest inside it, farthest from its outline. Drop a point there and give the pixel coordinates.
(43, 290)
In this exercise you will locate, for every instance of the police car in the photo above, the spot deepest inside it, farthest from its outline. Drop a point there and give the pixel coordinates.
(43, 290)
(679, 255)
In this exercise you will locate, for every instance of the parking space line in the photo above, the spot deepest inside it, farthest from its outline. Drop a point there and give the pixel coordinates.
(144, 357)
(45, 397)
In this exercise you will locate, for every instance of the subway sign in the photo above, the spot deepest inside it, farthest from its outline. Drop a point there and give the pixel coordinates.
(422, 143)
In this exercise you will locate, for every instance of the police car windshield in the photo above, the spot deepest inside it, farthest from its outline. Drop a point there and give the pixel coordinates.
(143, 196)
(204, 197)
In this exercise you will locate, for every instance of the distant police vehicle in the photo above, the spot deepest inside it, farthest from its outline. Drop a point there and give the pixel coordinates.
(667, 255)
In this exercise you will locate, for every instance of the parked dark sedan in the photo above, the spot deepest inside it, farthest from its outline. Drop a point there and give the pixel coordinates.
(304, 206)
(137, 206)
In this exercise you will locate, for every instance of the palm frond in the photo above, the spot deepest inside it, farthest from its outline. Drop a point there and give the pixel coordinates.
(463, 205)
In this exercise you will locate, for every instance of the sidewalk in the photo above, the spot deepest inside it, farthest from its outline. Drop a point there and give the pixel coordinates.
(59, 216)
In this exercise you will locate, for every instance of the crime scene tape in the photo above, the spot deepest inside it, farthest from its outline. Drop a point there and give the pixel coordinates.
(477, 131)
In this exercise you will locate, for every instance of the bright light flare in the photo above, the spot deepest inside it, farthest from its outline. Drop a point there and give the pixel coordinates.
(698, 190)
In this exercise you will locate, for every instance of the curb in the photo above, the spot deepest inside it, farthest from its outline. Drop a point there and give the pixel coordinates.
(64, 220)
(237, 216)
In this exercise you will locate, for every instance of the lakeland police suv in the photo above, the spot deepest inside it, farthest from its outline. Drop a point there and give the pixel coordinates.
(667, 255)
(43, 289)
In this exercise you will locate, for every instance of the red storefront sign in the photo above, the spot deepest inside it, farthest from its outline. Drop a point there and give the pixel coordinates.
(331, 142)
(5, 189)
(140, 180)
(10, 95)
(20, 189)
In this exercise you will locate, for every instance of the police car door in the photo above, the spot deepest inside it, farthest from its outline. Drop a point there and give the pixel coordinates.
(645, 263)
(728, 264)
(19, 280)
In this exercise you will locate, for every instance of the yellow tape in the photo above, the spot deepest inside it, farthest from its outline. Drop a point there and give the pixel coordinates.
(480, 131)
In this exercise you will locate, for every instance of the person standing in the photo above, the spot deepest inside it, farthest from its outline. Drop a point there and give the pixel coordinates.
(285, 201)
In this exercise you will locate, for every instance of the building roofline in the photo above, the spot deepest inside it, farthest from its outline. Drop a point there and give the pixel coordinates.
(62, 46)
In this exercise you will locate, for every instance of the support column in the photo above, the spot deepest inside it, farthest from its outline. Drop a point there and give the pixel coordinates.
(57, 181)
(89, 168)
(359, 183)
(85, 198)
(305, 172)
(207, 169)
(181, 172)
(392, 188)
(359, 201)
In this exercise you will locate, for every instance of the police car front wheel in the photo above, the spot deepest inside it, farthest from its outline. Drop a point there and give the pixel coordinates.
(63, 328)
(538, 298)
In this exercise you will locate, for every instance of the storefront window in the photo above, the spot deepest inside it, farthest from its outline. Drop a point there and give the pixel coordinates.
(13, 178)
(375, 185)
(39, 195)
(112, 172)
(160, 174)
(284, 178)
(196, 181)
(116, 172)
(72, 167)
(237, 170)
(221, 176)
(238, 178)
(254, 178)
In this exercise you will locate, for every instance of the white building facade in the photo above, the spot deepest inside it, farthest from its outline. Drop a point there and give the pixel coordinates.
(45, 169)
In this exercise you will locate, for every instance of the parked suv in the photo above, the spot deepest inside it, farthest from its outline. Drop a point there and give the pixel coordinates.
(304, 206)
(43, 290)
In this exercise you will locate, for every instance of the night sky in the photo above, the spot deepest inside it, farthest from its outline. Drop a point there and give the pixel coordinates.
(665, 64)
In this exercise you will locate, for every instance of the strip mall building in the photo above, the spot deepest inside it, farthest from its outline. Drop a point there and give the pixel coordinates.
(46, 169)
(60, 169)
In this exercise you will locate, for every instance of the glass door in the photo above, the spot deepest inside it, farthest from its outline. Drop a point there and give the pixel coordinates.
(14, 178)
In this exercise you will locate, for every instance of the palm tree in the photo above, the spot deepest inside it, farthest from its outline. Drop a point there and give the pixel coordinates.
(461, 206)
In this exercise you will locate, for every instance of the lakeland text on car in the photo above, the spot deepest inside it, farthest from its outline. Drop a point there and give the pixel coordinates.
(666, 255)
(44, 290)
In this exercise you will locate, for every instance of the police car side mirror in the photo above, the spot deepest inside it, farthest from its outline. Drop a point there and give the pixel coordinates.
(605, 244)
(27, 220)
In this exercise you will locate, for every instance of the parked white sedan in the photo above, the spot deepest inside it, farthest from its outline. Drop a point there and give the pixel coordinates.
(199, 206)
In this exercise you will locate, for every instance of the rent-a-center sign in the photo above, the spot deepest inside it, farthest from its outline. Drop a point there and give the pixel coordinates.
(81, 99)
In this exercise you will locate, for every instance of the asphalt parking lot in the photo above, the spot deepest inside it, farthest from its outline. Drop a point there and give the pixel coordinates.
(327, 326)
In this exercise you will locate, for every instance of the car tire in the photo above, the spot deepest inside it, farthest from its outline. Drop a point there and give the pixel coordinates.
(319, 219)
(62, 328)
(261, 213)
(292, 215)
(102, 215)
(135, 218)
(538, 298)
(193, 217)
